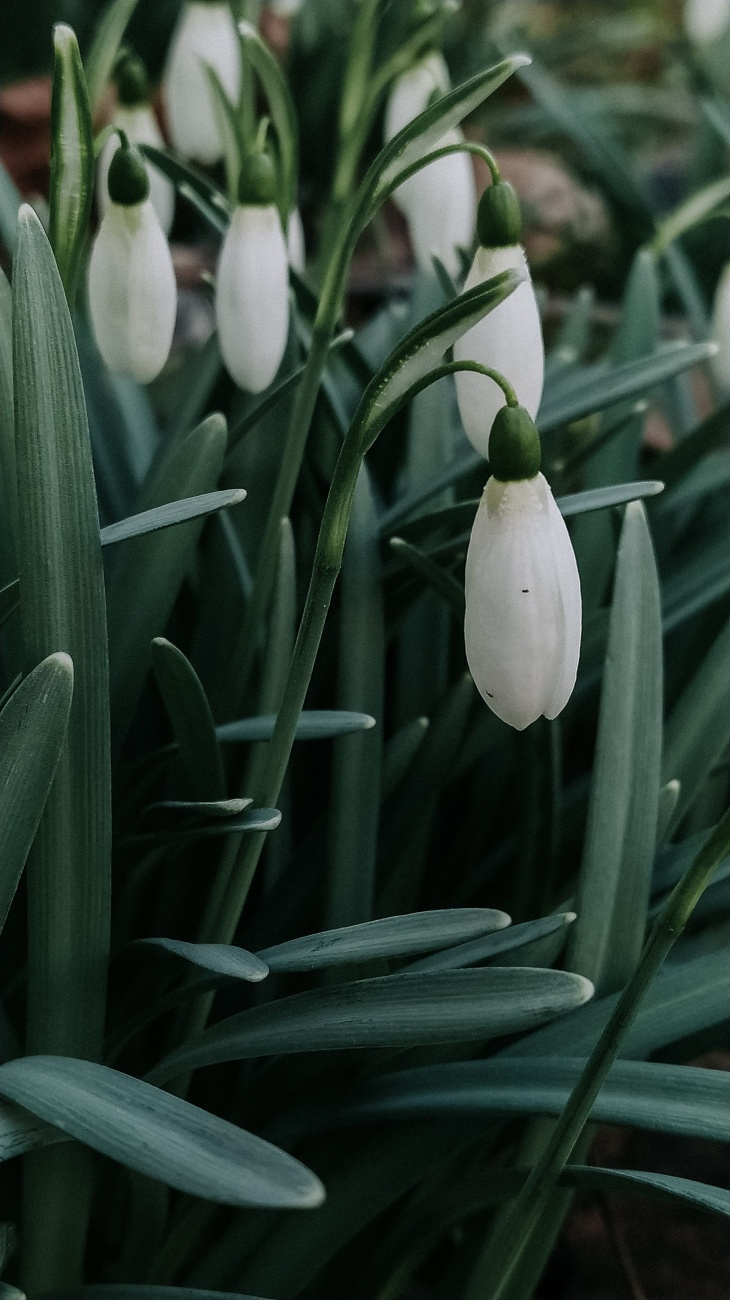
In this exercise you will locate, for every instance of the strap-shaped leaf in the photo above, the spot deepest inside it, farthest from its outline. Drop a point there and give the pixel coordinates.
(390, 1011)
(394, 936)
(174, 512)
(103, 51)
(72, 158)
(283, 114)
(493, 945)
(698, 727)
(228, 130)
(664, 1098)
(313, 724)
(613, 891)
(698, 207)
(218, 958)
(189, 712)
(10, 201)
(618, 494)
(32, 731)
(159, 1135)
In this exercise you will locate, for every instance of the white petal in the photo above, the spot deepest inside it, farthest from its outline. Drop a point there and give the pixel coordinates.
(412, 91)
(440, 203)
(295, 242)
(721, 331)
(252, 296)
(409, 97)
(706, 20)
(522, 599)
(140, 125)
(509, 340)
(132, 291)
(205, 34)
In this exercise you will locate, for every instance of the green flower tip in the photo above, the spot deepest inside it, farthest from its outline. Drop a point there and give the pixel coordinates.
(131, 80)
(514, 445)
(499, 221)
(127, 181)
(258, 183)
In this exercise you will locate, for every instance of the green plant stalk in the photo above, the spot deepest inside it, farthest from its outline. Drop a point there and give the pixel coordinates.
(232, 890)
(519, 1226)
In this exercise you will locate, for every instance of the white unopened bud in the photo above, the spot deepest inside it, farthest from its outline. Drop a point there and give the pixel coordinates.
(252, 296)
(523, 604)
(295, 242)
(205, 33)
(140, 126)
(509, 339)
(721, 332)
(132, 291)
(706, 20)
(439, 201)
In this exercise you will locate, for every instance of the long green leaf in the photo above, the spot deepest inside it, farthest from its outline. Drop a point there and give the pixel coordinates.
(663, 1098)
(390, 1011)
(394, 936)
(218, 958)
(493, 945)
(32, 732)
(150, 570)
(698, 728)
(159, 1135)
(62, 608)
(105, 45)
(189, 712)
(355, 799)
(613, 891)
(170, 514)
(10, 201)
(314, 724)
(8, 494)
(281, 106)
(72, 159)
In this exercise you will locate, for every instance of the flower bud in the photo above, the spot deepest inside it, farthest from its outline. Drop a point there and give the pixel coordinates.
(140, 126)
(439, 201)
(720, 363)
(508, 339)
(252, 296)
(522, 627)
(132, 290)
(205, 33)
(499, 220)
(514, 445)
(706, 20)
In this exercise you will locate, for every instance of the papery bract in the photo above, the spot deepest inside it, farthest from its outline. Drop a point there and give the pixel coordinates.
(140, 126)
(509, 340)
(523, 604)
(205, 34)
(252, 296)
(132, 291)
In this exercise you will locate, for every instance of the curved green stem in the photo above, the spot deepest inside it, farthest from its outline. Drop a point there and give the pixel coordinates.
(521, 1222)
(459, 146)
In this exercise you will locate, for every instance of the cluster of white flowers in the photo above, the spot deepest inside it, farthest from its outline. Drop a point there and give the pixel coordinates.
(523, 602)
(132, 293)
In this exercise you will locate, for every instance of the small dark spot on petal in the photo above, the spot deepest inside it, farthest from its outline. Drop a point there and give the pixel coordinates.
(489, 693)
(525, 590)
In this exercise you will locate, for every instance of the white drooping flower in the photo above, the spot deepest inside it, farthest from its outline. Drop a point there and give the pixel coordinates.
(205, 34)
(509, 338)
(295, 242)
(522, 627)
(721, 332)
(252, 285)
(706, 20)
(132, 289)
(140, 127)
(439, 202)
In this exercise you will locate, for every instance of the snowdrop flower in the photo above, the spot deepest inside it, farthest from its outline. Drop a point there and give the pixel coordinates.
(523, 605)
(252, 287)
(721, 332)
(132, 290)
(295, 242)
(439, 201)
(706, 20)
(206, 33)
(510, 338)
(135, 117)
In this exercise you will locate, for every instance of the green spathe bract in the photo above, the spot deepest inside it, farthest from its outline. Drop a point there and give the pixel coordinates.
(514, 445)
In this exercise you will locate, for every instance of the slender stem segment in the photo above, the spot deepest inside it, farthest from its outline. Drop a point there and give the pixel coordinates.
(519, 1225)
